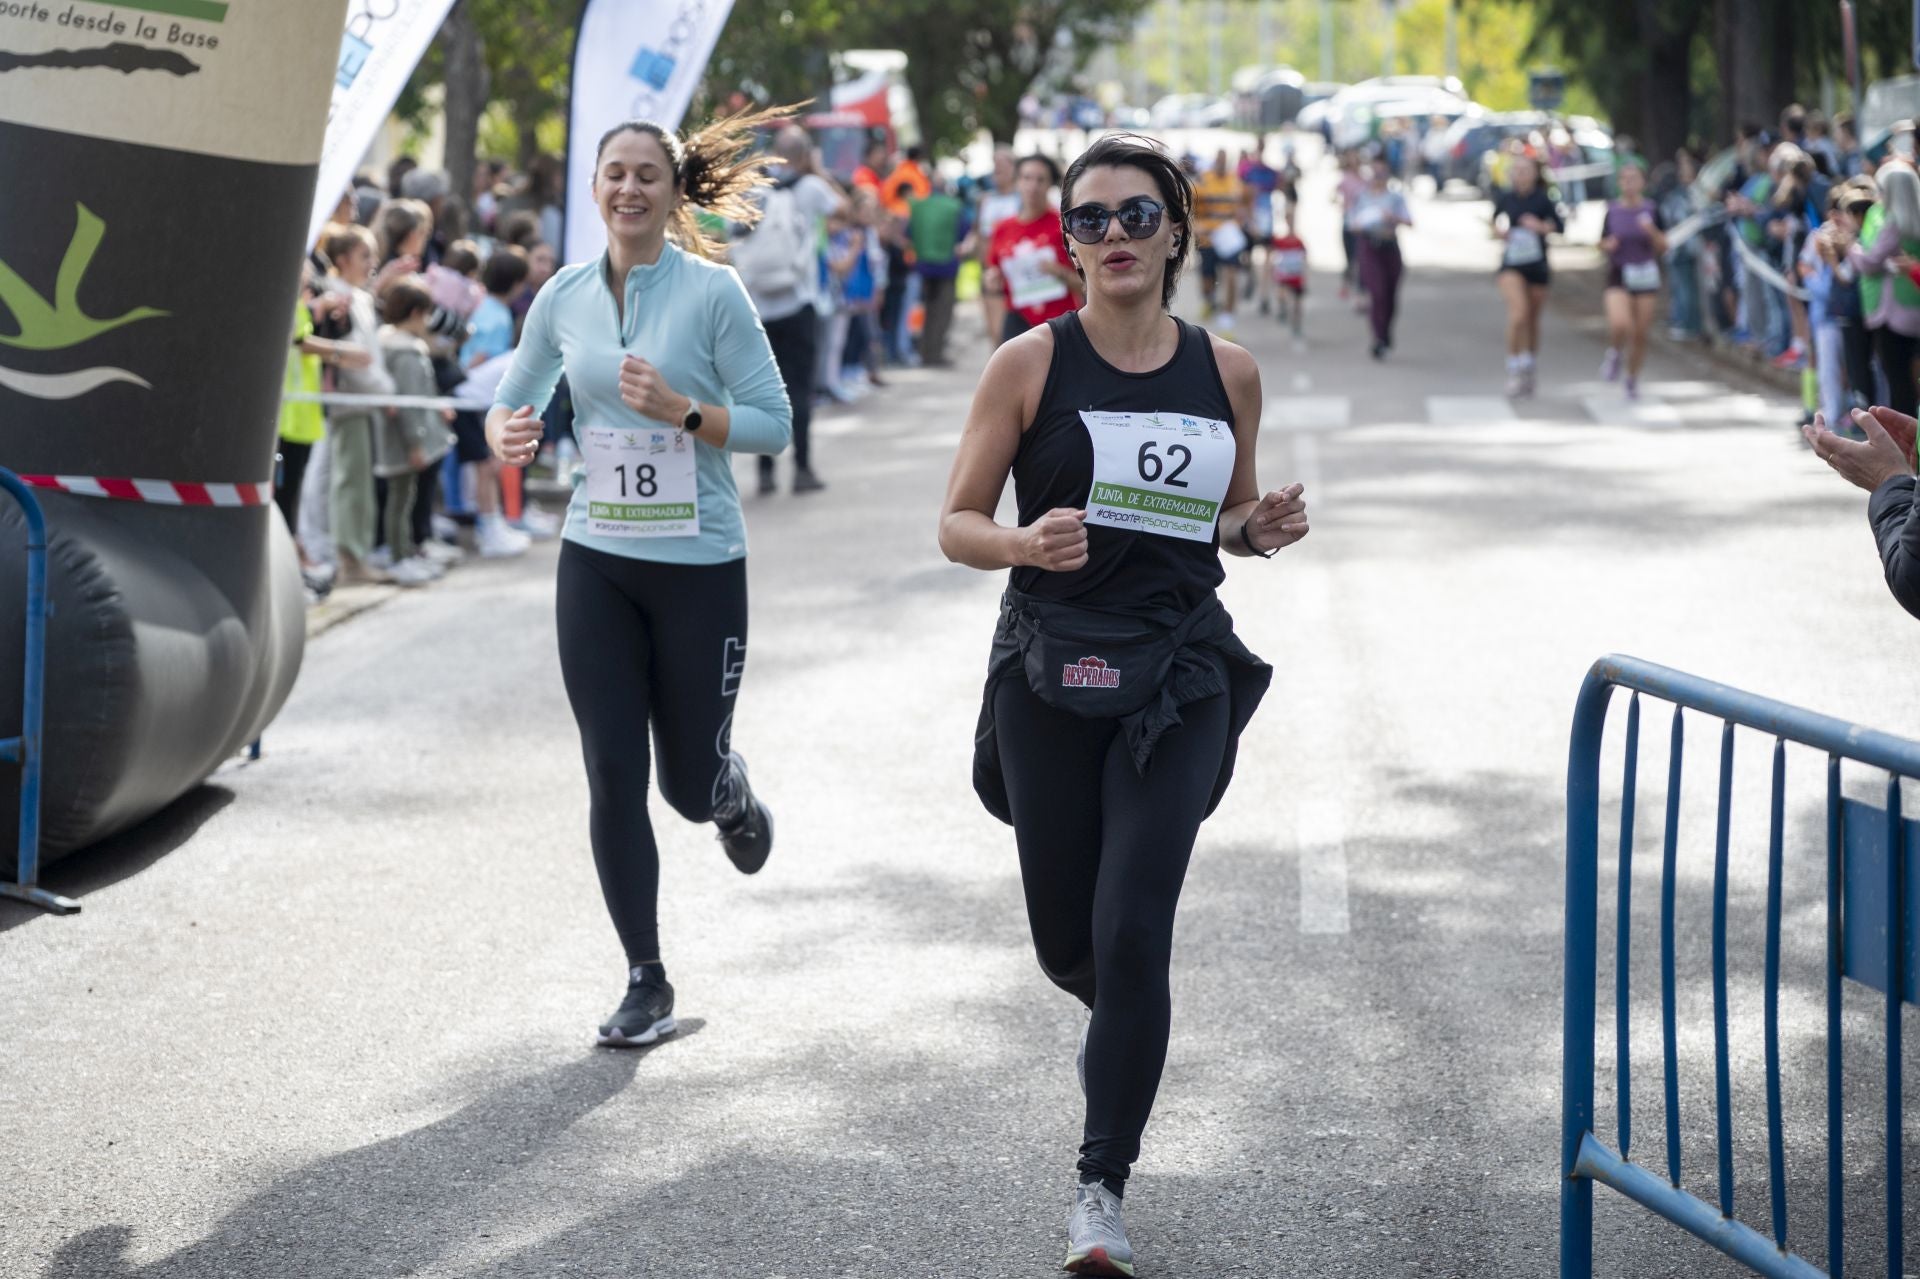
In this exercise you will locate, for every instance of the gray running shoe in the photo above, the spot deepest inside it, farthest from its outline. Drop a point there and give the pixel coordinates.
(643, 1016)
(1080, 1062)
(1096, 1236)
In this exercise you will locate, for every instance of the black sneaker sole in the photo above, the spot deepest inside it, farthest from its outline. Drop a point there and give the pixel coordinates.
(749, 864)
(617, 1039)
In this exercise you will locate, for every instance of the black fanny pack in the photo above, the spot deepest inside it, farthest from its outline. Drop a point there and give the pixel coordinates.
(1092, 664)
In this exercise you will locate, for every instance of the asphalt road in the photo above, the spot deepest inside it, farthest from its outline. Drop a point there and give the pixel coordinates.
(331, 1015)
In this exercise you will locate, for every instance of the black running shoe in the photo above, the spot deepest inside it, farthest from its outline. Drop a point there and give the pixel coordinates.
(644, 1015)
(746, 827)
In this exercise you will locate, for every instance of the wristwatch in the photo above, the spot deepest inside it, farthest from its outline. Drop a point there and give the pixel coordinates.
(693, 418)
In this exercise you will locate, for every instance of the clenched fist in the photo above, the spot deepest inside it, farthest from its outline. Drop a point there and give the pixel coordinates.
(645, 391)
(1056, 542)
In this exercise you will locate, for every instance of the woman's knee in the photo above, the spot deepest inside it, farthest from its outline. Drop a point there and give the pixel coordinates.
(1068, 964)
(1134, 946)
(689, 795)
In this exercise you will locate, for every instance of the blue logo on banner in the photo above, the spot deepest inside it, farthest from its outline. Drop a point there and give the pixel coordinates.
(652, 68)
(353, 57)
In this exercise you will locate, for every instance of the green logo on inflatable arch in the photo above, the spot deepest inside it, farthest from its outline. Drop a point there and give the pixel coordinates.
(61, 324)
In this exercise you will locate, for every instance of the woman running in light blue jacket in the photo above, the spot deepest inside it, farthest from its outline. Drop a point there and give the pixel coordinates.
(671, 376)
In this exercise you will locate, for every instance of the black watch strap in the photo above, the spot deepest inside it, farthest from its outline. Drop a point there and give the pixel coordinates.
(1247, 541)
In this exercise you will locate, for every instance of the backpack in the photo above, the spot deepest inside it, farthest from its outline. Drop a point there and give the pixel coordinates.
(776, 255)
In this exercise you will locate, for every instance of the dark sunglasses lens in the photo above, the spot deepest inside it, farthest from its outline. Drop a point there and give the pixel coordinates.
(1140, 219)
(1087, 225)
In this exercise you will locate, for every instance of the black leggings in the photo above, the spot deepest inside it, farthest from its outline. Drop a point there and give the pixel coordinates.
(1103, 852)
(293, 472)
(1896, 351)
(1856, 342)
(644, 643)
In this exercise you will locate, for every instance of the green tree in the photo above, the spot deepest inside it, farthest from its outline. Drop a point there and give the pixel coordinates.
(489, 54)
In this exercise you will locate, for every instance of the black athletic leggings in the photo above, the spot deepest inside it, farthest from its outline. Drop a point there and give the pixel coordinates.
(1103, 852)
(644, 644)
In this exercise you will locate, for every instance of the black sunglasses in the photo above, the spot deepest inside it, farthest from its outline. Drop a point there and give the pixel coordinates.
(1139, 218)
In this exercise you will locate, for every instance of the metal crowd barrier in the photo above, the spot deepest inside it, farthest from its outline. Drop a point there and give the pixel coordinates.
(24, 750)
(1871, 935)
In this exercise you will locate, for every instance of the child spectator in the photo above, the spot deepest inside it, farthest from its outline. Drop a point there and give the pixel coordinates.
(350, 430)
(407, 441)
(489, 336)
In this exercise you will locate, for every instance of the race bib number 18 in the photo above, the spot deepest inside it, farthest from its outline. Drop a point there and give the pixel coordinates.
(640, 482)
(1162, 473)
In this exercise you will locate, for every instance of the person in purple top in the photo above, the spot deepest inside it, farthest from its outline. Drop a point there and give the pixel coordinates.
(1634, 243)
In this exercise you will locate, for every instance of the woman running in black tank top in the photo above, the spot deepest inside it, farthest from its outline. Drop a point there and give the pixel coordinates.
(1117, 690)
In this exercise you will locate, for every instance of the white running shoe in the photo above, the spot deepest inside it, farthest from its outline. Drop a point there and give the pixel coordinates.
(1096, 1234)
(497, 541)
(444, 553)
(433, 566)
(537, 524)
(412, 572)
(445, 529)
(380, 557)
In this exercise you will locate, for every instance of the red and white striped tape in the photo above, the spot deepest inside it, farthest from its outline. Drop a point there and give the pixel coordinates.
(164, 492)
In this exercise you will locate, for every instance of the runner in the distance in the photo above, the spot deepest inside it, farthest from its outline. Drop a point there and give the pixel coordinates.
(1027, 262)
(1116, 690)
(671, 376)
(1261, 180)
(1219, 220)
(1530, 217)
(1634, 243)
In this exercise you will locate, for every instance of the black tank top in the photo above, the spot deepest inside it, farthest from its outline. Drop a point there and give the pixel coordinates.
(1125, 571)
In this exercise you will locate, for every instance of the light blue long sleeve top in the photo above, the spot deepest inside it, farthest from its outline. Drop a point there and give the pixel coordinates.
(692, 320)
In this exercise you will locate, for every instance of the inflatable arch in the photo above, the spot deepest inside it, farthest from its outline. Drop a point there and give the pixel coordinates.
(160, 160)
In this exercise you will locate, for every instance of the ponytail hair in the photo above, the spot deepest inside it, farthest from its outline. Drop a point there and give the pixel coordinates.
(715, 168)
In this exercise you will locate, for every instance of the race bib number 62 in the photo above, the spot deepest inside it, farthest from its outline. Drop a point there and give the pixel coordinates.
(1162, 473)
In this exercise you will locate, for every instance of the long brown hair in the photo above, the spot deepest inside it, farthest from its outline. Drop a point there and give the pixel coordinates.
(715, 168)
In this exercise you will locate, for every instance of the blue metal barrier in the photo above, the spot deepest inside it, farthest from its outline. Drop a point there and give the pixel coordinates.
(1873, 936)
(24, 750)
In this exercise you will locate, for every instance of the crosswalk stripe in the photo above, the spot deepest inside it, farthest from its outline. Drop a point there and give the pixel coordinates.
(1308, 413)
(1468, 410)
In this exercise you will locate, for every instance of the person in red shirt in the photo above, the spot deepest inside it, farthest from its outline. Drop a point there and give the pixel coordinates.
(1028, 257)
(868, 174)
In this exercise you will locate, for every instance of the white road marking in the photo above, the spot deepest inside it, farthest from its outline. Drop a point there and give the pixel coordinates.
(1469, 410)
(1306, 466)
(1617, 410)
(1302, 383)
(1320, 835)
(1307, 413)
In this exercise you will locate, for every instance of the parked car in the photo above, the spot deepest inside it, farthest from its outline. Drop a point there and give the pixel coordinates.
(1350, 115)
(1211, 113)
(1173, 111)
(1472, 139)
(1276, 99)
(1131, 118)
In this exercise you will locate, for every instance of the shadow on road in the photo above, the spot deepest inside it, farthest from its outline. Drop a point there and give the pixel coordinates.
(389, 1208)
